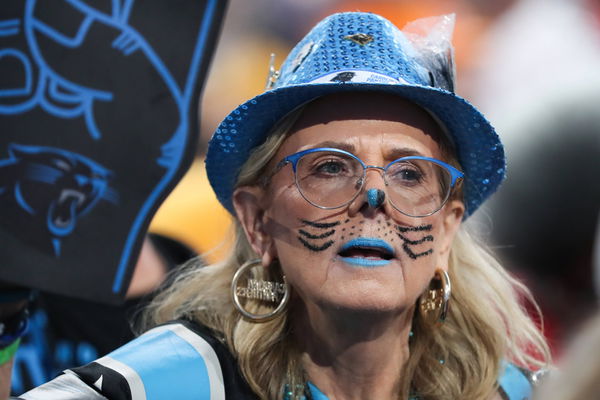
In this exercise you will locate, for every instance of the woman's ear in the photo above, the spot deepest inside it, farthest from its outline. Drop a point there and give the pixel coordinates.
(249, 205)
(453, 214)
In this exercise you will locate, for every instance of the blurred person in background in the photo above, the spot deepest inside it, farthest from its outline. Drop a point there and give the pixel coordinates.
(546, 216)
(579, 375)
(538, 82)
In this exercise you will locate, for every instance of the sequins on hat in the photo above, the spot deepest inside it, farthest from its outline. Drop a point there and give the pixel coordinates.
(359, 52)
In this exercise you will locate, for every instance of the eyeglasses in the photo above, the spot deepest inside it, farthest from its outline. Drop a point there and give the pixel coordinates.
(330, 178)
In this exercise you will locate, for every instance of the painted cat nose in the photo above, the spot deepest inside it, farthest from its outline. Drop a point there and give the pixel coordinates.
(375, 197)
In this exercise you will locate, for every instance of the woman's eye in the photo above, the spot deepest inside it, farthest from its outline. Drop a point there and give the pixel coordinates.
(408, 175)
(330, 167)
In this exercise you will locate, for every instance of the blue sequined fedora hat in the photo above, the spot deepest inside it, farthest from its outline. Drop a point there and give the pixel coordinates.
(360, 52)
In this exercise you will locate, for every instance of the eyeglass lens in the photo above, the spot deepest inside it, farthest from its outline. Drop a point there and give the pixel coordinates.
(415, 187)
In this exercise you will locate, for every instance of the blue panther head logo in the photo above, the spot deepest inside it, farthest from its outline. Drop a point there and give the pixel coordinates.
(56, 184)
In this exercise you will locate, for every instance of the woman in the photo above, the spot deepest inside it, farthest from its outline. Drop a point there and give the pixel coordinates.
(350, 179)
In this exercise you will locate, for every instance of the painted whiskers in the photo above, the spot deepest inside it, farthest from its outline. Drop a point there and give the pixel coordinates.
(319, 236)
(402, 232)
(318, 239)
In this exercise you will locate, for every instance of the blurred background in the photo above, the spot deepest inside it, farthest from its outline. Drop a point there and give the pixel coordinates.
(531, 66)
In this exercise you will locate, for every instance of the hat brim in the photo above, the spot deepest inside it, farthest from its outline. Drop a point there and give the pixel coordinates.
(479, 150)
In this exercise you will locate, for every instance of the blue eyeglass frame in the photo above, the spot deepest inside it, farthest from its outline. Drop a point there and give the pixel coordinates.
(293, 159)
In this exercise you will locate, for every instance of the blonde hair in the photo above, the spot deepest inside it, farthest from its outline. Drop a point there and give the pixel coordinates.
(486, 324)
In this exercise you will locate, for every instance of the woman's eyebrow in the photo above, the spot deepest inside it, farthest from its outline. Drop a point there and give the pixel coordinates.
(337, 145)
(391, 154)
(399, 152)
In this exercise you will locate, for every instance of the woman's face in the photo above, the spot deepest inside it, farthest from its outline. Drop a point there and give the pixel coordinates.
(338, 258)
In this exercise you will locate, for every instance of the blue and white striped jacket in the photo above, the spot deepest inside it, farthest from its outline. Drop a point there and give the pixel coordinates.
(182, 360)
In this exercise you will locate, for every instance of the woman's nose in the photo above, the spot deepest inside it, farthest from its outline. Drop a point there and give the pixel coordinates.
(375, 197)
(372, 195)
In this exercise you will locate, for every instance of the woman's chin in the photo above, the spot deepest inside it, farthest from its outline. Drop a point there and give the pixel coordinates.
(367, 297)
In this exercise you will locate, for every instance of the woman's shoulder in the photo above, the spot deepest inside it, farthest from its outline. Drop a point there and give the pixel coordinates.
(180, 359)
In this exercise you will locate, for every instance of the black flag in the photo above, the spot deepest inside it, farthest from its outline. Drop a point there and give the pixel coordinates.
(98, 114)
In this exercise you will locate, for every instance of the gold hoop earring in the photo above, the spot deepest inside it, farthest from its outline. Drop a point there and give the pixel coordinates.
(433, 304)
(258, 289)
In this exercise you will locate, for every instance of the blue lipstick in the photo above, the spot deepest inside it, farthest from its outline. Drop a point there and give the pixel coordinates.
(367, 244)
